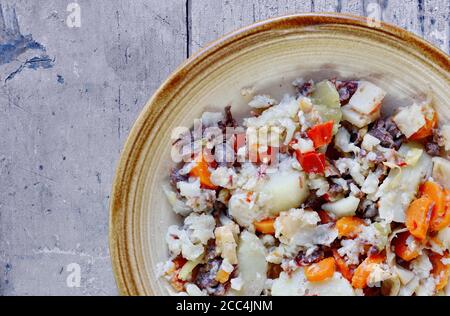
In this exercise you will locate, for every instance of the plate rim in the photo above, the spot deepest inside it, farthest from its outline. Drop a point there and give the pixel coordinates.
(122, 264)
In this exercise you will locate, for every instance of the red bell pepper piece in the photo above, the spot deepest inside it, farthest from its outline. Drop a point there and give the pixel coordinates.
(321, 134)
(311, 162)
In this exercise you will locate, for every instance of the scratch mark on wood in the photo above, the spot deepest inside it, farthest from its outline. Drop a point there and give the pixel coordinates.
(188, 28)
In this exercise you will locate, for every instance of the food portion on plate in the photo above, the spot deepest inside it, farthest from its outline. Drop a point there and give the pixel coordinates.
(317, 193)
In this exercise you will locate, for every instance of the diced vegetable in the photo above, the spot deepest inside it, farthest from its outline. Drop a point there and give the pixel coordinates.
(418, 217)
(343, 207)
(444, 237)
(312, 162)
(400, 187)
(349, 226)
(321, 134)
(325, 93)
(367, 98)
(427, 129)
(402, 249)
(321, 270)
(441, 171)
(409, 119)
(187, 268)
(177, 283)
(440, 216)
(286, 190)
(337, 285)
(292, 284)
(202, 172)
(266, 226)
(440, 271)
(327, 113)
(222, 276)
(362, 272)
(252, 264)
(342, 266)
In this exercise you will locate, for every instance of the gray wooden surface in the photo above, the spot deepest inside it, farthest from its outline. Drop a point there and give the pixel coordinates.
(69, 96)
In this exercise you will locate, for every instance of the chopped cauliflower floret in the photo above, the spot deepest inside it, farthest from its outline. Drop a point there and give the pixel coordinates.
(342, 141)
(211, 118)
(226, 244)
(351, 166)
(288, 224)
(224, 177)
(441, 171)
(179, 242)
(351, 250)
(319, 183)
(201, 227)
(380, 272)
(189, 189)
(261, 101)
(299, 227)
(422, 266)
(178, 206)
(369, 142)
(370, 184)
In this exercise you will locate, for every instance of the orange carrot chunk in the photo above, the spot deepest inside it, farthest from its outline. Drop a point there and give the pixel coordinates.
(349, 226)
(266, 226)
(401, 247)
(440, 217)
(362, 272)
(321, 270)
(201, 171)
(427, 129)
(418, 216)
(440, 271)
(342, 266)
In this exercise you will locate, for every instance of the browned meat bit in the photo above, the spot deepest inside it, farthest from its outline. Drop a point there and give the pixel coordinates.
(369, 211)
(306, 89)
(175, 177)
(335, 189)
(387, 132)
(205, 278)
(228, 121)
(346, 90)
(219, 208)
(274, 270)
(302, 259)
(210, 252)
(314, 202)
(432, 146)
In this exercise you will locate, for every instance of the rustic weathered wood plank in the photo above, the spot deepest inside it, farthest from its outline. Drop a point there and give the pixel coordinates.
(351, 6)
(436, 23)
(61, 136)
(211, 19)
(405, 14)
(324, 5)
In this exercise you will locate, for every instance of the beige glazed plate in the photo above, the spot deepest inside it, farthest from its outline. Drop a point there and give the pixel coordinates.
(267, 56)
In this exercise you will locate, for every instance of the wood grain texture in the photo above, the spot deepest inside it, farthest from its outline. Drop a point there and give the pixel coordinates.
(60, 141)
(436, 23)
